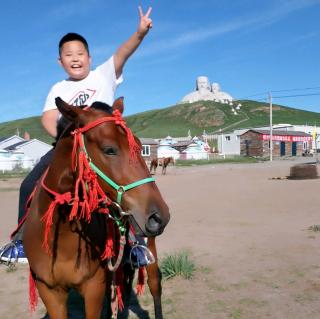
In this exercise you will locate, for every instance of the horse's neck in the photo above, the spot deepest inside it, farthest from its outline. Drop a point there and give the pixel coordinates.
(60, 172)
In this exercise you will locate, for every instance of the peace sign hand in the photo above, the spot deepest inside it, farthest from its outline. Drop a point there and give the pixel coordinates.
(145, 22)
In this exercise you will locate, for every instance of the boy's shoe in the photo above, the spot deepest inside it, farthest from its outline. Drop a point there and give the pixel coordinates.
(137, 253)
(13, 253)
(140, 256)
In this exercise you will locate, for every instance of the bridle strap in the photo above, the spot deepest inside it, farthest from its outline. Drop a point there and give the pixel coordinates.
(120, 188)
(79, 142)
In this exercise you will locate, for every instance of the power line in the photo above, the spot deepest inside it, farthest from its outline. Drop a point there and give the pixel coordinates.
(257, 94)
(284, 90)
(295, 95)
(290, 90)
(286, 96)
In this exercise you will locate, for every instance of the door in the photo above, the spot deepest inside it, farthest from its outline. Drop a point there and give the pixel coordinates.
(282, 148)
(294, 148)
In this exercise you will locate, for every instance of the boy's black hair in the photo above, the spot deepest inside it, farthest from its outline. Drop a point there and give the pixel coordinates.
(73, 37)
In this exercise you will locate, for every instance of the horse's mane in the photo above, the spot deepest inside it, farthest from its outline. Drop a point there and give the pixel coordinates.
(102, 107)
(64, 126)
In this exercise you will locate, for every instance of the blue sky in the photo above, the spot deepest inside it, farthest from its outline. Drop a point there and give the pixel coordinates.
(248, 46)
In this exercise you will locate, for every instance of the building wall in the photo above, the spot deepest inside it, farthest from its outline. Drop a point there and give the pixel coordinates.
(153, 152)
(287, 148)
(35, 149)
(229, 144)
(251, 144)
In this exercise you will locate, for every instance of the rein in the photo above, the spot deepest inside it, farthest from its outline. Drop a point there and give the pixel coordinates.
(89, 195)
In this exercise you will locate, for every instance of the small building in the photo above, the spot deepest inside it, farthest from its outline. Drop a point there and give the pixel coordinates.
(10, 161)
(149, 148)
(168, 151)
(166, 148)
(285, 143)
(8, 141)
(310, 129)
(182, 145)
(229, 143)
(192, 148)
(196, 150)
(33, 149)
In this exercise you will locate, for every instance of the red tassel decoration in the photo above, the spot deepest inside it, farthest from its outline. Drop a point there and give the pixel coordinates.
(141, 278)
(33, 296)
(119, 296)
(47, 218)
(109, 251)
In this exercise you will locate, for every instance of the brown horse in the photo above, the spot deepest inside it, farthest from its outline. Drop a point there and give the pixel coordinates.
(81, 202)
(163, 161)
(153, 166)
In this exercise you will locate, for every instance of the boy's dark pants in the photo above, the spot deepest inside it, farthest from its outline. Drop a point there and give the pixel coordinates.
(28, 185)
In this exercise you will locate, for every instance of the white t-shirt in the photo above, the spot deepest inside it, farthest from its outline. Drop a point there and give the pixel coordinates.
(100, 85)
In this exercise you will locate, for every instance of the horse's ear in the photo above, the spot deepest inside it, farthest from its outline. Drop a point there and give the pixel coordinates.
(67, 110)
(118, 104)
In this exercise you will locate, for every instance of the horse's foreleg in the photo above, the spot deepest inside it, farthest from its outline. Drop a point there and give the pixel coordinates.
(93, 292)
(154, 279)
(54, 300)
(150, 169)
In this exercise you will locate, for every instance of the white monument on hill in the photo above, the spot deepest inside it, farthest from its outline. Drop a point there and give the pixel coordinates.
(207, 92)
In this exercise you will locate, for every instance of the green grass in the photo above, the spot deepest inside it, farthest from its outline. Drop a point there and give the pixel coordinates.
(211, 116)
(315, 228)
(235, 159)
(178, 264)
(14, 174)
(9, 189)
(236, 313)
(32, 125)
(178, 119)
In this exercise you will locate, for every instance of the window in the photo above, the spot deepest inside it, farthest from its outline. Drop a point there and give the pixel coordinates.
(145, 150)
(228, 138)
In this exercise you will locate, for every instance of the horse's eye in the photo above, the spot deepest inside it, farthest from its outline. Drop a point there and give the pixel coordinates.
(109, 150)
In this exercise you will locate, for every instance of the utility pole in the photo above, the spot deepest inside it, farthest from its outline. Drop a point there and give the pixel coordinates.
(271, 143)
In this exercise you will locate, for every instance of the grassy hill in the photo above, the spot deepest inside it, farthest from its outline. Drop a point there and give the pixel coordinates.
(32, 125)
(178, 119)
(212, 116)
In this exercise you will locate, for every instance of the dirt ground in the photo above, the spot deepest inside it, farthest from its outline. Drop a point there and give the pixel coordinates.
(247, 234)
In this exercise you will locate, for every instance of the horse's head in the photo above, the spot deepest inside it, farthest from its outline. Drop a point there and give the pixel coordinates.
(114, 154)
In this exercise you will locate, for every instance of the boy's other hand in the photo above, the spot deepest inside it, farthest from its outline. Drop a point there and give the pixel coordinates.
(145, 22)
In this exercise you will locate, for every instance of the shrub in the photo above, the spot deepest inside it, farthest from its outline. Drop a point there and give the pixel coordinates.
(178, 264)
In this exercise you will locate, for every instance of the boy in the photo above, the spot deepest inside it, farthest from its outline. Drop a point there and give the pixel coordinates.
(82, 87)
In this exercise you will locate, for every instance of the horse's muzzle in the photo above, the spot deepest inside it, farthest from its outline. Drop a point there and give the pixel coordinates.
(155, 224)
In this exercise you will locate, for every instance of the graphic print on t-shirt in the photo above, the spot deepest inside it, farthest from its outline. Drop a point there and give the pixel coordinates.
(82, 97)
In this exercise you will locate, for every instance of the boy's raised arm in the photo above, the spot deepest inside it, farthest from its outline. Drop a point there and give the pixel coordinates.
(127, 48)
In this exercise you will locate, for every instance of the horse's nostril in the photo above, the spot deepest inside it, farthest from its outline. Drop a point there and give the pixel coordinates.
(154, 223)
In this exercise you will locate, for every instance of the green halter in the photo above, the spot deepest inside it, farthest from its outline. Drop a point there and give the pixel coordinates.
(119, 188)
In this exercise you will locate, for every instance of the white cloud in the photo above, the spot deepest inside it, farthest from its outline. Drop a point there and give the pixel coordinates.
(279, 11)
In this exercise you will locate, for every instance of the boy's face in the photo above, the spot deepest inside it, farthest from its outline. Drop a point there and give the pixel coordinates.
(75, 60)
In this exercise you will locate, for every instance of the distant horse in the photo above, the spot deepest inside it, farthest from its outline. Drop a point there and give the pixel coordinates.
(153, 166)
(162, 161)
(75, 229)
